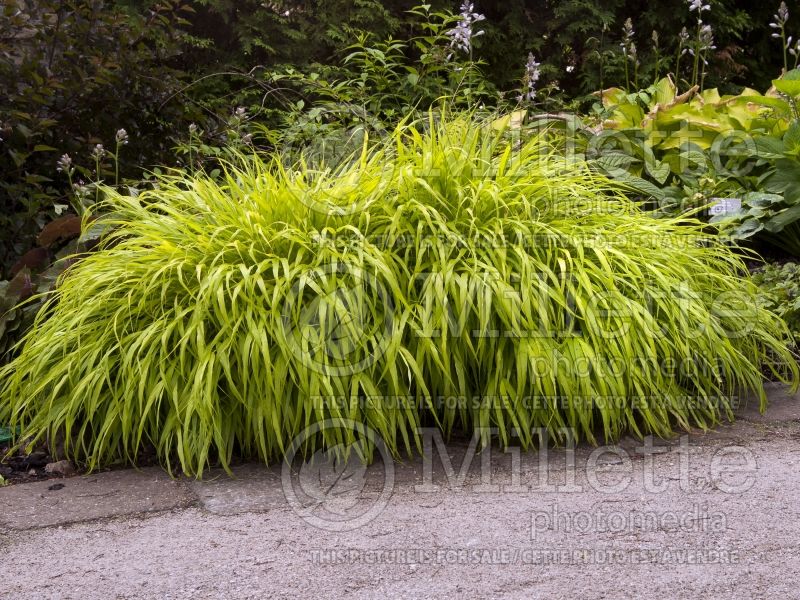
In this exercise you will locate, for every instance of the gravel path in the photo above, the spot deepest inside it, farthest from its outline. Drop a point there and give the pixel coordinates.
(712, 516)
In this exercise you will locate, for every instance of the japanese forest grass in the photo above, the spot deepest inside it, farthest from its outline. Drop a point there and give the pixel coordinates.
(452, 276)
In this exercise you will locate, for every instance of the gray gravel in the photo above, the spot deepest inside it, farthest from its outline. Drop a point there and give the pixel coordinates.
(725, 525)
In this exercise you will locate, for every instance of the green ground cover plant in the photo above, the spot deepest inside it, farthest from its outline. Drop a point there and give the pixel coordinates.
(780, 291)
(221, 316)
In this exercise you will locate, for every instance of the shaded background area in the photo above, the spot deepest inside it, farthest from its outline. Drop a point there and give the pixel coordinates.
(74, 72)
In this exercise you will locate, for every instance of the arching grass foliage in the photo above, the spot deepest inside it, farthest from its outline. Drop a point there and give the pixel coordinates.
(455, 276)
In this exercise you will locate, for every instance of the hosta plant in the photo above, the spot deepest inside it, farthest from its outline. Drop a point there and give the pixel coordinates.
(454, 276)
(779, 286)
(687, 150)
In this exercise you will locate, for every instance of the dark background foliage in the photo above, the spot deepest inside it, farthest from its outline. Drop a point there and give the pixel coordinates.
(73, 72)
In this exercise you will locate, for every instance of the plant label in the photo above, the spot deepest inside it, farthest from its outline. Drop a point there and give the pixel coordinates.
(725, 206)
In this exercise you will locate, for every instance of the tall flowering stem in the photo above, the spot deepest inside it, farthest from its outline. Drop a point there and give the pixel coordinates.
(192, 133)
(703, 32)
(98, 154)
(529, 80)
(628, 50)
(461, 38)
(657, 50)
(794, 51)
(683, 41)
(461, 35)
(64, 165)
(779, 23)
(121, 138)
(706, 44)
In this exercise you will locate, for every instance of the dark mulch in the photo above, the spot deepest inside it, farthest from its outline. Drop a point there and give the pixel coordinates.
(19, 467)
(22, 468)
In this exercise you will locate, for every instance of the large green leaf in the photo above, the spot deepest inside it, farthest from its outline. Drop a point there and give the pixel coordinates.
(747, 229)
(762, 199)
(659, 171)
(782, 219)
(770, 102)
(628, 115)
(789, 84)
(786, 177)
(791, 139)
(769, 148)
(665, 91)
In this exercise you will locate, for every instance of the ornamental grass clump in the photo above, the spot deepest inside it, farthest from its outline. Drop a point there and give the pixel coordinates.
(453, 276)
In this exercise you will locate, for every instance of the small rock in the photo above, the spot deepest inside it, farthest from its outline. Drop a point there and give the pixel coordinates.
(62, 467)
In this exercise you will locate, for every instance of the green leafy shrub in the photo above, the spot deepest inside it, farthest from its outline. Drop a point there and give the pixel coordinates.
(773, 212)
(780, 292)
(379, 82)
(689, 146)
(73, 73)
(36, 274)
(687, 150)
(456, 261)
